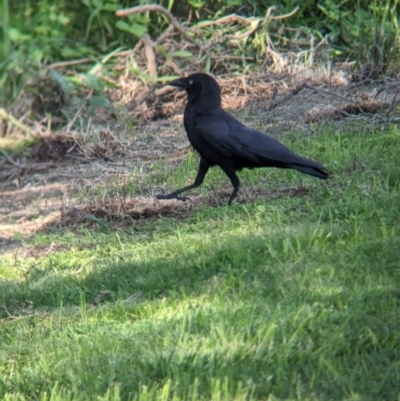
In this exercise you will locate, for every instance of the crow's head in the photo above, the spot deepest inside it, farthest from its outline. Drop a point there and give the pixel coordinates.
(201, 88)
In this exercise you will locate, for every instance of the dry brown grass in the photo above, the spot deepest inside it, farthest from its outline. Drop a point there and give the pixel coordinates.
(362, 104)
(120, 207)
(122, 210)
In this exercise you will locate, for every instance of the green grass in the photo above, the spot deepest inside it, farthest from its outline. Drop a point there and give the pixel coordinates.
(295, 298)
(16, 147)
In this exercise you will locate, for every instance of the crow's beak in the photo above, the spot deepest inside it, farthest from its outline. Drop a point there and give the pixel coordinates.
(179, 83)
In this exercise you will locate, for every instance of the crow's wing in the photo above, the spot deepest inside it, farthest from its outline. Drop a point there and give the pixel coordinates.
(216, 134)
(233, 139)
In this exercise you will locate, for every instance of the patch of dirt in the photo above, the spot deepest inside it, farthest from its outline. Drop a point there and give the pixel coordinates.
(365, 103)
(286, 97)
(25, 212)
(40, 250)
(69, 175)
(52, 147)
(122, 210)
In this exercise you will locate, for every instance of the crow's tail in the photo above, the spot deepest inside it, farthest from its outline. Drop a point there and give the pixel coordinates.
(315, 171)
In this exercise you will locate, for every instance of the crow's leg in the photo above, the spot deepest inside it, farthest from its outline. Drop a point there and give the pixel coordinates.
(203, 168)
(235, 183)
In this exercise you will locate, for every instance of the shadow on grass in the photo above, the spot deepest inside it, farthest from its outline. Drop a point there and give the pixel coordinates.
(280, 313)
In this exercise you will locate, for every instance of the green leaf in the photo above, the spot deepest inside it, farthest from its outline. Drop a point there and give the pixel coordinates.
(141, 75)
(36, 55)
(15, 35)
(102, 222)
(95, 82)
(170, 4)
(63, 19)
(66, 86)
(138, 30)
(134, 28)
(197, 4)
(69, 52)
(208, 65)
(91, 217)
(111, 7)
(167, 78)
(182, 53)
(123, 26)
(162, 50)
(97, 4)
(99, 101)
(109, 84)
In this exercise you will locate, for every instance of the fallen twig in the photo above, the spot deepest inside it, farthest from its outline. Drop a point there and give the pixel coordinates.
(165, 35)
(9, 159)
(88, 59)
(246, 20)
(13, 317)
(243, 35)
(284, 16)
(393, 104)
(151, 58)
(160, 9)
(71, 62)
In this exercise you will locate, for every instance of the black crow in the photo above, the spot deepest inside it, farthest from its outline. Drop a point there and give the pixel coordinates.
(223, 141)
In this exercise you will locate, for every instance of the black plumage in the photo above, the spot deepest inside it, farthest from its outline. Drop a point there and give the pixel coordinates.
(222, 140)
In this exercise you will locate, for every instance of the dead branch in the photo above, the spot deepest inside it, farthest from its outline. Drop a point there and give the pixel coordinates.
(88, 60)
(153, 7)
(71, 62)
(284, 16)
(393, 104)
(9, 159)
(228, 19)
(151, 58)
(249, 20)
(164, 35)
(243, 35)
(164, 90)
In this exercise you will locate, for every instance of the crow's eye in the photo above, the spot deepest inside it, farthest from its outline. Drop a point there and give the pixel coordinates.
(190, 81)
